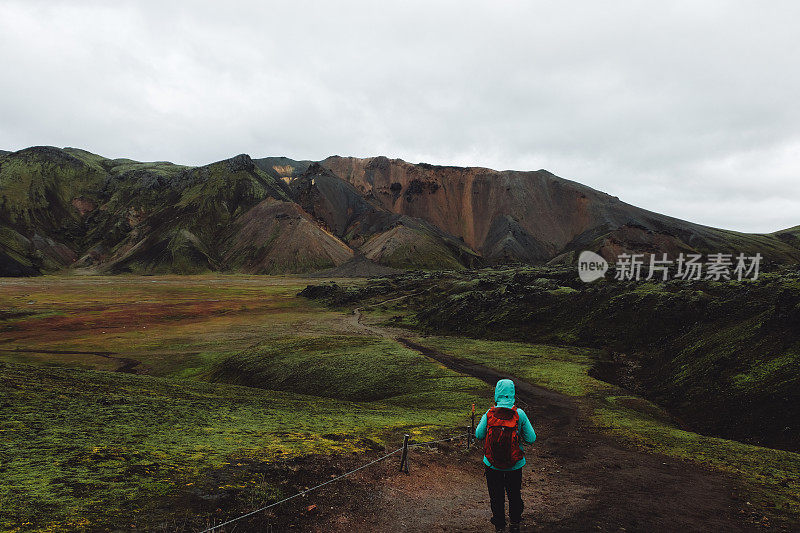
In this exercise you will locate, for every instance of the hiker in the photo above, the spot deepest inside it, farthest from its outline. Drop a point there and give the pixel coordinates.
(504, 428)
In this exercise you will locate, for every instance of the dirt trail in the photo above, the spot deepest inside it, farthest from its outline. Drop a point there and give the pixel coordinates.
(575, 479)
(561, 414)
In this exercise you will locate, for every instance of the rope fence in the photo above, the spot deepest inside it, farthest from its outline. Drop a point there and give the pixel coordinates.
(407, 443)
(301, 493)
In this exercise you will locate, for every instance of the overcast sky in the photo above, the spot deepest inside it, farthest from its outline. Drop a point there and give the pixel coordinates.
(690, 108)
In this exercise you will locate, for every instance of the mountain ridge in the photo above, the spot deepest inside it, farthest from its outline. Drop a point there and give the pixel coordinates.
(69, 208)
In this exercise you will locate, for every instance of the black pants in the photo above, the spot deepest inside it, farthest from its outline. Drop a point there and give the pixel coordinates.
(508, 482)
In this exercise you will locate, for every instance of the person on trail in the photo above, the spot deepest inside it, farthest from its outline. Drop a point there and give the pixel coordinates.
(504, 428)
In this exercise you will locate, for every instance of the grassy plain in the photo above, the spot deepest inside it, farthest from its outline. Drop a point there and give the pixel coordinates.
(238, 372)
(229, 370)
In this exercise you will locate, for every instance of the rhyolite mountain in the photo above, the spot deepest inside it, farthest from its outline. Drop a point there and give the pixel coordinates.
(69, 208)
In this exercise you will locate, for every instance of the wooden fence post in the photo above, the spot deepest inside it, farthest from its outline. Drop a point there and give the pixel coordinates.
(404, 455)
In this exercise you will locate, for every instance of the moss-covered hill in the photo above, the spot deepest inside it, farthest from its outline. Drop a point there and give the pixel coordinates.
(87, 446)
(69, 208)
(722, 356)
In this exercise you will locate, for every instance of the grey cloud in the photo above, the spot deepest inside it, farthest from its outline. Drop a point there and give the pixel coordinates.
(683, 108)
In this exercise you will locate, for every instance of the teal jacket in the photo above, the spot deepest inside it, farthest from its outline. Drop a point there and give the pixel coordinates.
(504, 394)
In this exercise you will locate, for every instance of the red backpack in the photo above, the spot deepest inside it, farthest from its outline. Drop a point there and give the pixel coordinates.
(501, 446)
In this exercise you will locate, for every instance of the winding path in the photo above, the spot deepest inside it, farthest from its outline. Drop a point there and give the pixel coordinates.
(576, 479)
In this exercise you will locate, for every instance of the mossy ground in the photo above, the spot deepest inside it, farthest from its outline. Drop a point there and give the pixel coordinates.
(86, 448)
(98, 448)
(241, 371)
(770, 477)
(724, 356)
(176, 326)
(347, 367)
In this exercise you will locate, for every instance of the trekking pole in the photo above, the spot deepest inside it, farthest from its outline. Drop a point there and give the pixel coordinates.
(404, 455)
(471, 427)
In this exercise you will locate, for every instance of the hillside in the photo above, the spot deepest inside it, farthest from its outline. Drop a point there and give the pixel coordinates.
(722, 356)
(69, 208)
(536, 216)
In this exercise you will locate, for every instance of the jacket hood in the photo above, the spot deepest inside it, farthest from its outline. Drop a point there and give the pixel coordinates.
(504, 393)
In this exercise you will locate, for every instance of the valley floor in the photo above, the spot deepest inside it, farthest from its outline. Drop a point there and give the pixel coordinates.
(175, 403)
(576, 478)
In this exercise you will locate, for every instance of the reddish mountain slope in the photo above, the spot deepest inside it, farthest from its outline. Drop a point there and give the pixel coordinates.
(534, 216)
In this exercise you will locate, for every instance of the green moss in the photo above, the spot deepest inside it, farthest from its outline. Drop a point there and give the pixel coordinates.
(563, 291)
(348, 368)
(762, 372)
(32, 180)
(563, 369)
(770, 477)
(425, 252)
(16, 246)
(141, 438)
(689, 339)
(93, 160)
(465, 286)
(162, 168)
(88, 449)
